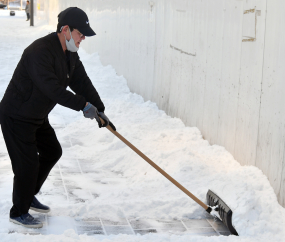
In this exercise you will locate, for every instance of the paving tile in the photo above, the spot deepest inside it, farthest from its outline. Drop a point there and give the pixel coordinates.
(88, 166)
(76, 193)
(76, 199)
(39, 216)
(57, 126)
(144, 231)
(71, 185)
(54, 189)
(67, 171)
(98, 174)
(90, 228)
(6, 166)
(112, 182)
(3, 154)
(75, 141)
(170, 225)
(140, 224)
(92, 219)
(65, 144)
(160, 226)
(55, 195)
(122, 221)
(95, 224)
(57, 183)
(225, 233)
(118, 230)
(70, 172)
(54, 172)
(218, 225)
(95, 195)
(95, 232)
(54, 178)
(27, 232)
(69, 166)
(6, 171)
(57, 224)
(202, 231)
(195, 223)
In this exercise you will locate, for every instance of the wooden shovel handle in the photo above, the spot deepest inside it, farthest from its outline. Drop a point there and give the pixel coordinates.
(156, 167)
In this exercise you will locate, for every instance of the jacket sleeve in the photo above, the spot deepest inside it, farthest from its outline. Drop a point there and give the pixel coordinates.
(82, 85)
(40, 67)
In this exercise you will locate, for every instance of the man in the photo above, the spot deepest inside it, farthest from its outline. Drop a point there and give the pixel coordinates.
(27, 9)
(39, 82)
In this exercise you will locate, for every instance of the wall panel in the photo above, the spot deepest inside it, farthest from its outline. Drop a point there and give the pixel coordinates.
(229, 85)
(216, 65)
(271, 138)
(195, 115)
(251, 65)
(213, 68)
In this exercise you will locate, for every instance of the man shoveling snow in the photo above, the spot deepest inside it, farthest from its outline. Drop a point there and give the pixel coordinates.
(47, 67)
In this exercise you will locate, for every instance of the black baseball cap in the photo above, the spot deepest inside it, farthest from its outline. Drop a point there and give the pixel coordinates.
(76, 18)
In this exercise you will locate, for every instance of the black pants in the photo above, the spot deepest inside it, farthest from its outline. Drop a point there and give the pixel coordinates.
(28, 16)
(33, 150)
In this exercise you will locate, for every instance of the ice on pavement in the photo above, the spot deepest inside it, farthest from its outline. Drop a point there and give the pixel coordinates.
(125, 183)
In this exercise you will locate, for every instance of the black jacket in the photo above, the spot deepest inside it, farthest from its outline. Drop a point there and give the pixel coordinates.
(40, 81)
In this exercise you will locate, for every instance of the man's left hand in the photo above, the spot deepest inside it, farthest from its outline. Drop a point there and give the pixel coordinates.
(106, 121)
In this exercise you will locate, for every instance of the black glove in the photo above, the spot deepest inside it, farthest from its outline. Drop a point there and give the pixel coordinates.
(106, 120)
(91, 112)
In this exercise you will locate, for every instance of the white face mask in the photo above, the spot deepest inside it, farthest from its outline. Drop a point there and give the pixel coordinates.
(70, 45)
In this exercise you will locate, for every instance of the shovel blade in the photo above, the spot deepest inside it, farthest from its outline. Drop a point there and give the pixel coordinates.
(223, 209)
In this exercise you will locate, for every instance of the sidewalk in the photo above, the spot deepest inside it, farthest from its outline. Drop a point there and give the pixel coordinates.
(69, 182)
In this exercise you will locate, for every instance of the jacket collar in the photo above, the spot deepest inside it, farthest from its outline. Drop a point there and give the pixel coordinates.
(57, 45)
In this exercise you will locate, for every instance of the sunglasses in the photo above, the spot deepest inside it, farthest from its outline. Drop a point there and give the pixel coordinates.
(80, 35)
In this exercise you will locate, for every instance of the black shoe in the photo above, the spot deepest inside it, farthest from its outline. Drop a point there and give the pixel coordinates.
(26, 220)
(38, 207)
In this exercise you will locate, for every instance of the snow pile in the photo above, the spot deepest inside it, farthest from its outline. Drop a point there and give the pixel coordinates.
(143, 192)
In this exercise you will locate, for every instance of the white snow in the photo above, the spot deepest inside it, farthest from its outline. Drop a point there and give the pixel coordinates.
(140, 191)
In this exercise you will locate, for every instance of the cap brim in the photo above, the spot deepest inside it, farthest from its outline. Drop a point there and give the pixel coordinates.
(86, 31)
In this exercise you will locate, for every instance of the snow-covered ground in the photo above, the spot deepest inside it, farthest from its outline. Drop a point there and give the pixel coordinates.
(114, 182)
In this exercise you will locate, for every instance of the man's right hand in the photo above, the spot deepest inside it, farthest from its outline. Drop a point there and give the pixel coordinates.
(91, 112)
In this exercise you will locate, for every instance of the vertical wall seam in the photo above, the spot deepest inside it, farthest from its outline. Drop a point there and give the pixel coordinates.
(169, 108)
(280, 196)
(191, 122)
(205, 79)
(256, 151)
(221, 76)
(238, 104)
(154, 57)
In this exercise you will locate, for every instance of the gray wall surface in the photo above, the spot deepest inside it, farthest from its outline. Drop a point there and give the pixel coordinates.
(217, 65)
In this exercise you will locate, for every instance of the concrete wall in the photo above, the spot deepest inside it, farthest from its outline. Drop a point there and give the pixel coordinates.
(217, 65)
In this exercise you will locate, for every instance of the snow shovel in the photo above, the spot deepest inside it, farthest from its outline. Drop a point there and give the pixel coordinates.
(217, 207)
